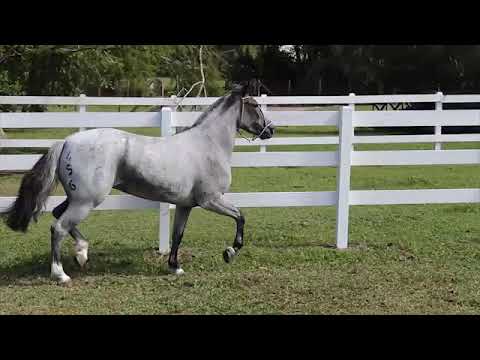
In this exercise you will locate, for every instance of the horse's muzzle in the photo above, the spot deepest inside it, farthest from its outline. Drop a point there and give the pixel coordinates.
(268, 133)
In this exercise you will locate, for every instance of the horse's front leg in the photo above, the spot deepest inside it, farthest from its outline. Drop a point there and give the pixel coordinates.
(220, 206)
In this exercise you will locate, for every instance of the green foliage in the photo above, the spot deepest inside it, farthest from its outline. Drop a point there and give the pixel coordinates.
(378, 69)
(8, 87)
(72, 69)
(55, 69)
(132, 70)
(182, 63)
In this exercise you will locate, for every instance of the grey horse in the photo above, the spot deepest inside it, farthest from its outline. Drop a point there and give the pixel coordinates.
(191, 168)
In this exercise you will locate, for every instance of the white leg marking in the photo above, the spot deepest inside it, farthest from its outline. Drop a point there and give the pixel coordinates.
(178, 271)
(58, 274)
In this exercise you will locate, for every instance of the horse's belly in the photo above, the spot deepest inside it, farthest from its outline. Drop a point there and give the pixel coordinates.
(174, 192)
(159, 171)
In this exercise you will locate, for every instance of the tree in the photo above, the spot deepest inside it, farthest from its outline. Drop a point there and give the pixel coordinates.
(182, 62)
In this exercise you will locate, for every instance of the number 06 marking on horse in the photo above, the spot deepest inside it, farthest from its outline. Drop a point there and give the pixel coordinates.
(72, 185)
(69, 169)
(191, 168)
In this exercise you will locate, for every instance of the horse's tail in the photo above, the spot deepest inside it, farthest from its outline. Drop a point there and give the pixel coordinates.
(35, 188)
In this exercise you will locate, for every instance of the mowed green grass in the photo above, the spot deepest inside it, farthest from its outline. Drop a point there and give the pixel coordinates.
(415, 259)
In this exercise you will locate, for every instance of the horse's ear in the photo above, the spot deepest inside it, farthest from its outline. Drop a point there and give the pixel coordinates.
(243, 88)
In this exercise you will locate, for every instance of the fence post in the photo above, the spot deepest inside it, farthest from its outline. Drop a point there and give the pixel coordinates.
(164, 232)
(82, 109)
(263, 148)
(343, 175)
(352, 105)
(438, 128)
(174, 100)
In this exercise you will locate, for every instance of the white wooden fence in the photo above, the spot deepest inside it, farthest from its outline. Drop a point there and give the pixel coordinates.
(346, 120)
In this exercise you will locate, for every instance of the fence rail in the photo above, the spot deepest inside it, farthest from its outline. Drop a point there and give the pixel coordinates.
(346, 120)
(263, 100)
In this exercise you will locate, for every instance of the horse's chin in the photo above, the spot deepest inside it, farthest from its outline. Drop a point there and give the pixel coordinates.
(266, 136)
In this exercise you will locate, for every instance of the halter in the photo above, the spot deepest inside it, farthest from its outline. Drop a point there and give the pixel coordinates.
(267, 123)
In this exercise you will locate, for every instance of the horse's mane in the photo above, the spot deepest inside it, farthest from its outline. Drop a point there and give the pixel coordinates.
(227, 100)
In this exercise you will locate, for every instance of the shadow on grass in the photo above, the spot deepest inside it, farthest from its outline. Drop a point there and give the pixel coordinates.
(119, 261)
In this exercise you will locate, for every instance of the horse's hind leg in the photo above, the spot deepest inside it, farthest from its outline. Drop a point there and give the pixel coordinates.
(220, 206)
(81, 243)
(180, 221)
(72, 216)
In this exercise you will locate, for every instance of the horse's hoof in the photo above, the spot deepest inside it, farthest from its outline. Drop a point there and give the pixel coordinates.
(81, 262)
(67, 284)
(176, 271)
(229, 254)
(81, 257)
(65, 281)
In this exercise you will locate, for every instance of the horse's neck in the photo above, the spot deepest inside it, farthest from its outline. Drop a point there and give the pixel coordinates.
(222, 129)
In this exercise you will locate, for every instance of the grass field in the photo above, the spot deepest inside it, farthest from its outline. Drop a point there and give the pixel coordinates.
(409, 259)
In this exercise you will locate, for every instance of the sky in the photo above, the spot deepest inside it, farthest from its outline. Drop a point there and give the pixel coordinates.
(286, 48)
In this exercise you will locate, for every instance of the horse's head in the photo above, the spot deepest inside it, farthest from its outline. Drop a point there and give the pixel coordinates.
(251, 116)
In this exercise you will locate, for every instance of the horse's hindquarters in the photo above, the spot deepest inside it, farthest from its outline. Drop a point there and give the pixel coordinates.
(88, 164)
